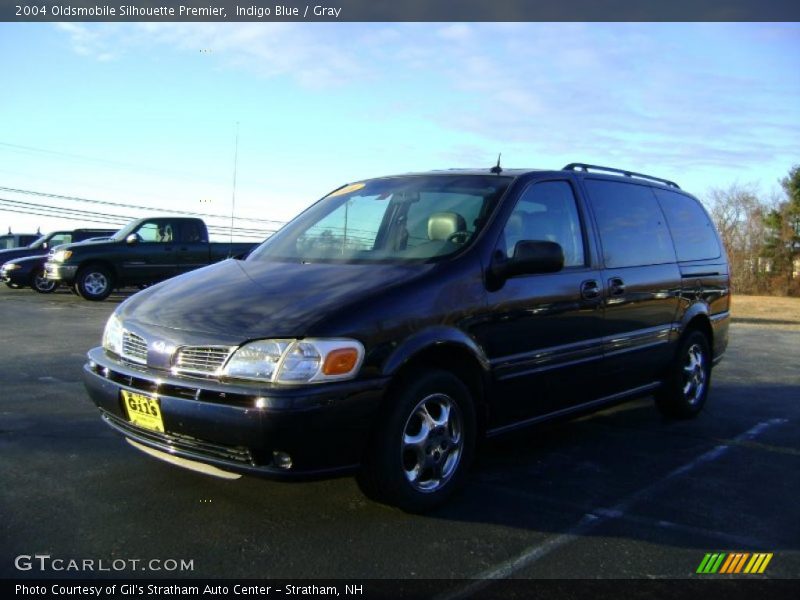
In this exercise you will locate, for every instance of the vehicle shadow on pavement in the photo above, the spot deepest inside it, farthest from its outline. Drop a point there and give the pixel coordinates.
(629, 472)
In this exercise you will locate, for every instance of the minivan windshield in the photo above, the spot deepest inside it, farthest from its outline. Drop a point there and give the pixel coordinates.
(393, 219)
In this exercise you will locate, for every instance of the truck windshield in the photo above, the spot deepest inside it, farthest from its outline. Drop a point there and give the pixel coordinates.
(39, 243)
(126, 231)
(411, 218)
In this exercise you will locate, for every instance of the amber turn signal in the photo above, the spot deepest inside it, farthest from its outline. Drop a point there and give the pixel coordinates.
(340, 361)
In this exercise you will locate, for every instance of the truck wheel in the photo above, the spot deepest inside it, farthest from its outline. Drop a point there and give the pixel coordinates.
(94, 282)
(422, 450)
(42, 285)
(686, 387)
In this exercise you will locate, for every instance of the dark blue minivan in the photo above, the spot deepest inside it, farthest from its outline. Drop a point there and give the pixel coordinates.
(397, 320)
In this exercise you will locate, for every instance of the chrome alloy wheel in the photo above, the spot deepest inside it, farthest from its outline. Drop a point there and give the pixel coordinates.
(42, 284)
(694, 374)
(95, 283)
(432, 442)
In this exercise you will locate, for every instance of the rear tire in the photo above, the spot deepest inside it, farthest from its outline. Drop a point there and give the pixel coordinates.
(685, 389)
(94, 282)
(42, 285)
(422, 449)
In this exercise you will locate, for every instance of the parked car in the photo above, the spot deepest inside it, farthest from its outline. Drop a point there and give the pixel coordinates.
(143, 252)
(399, 319)
(29, 271)
(45, 243)
(17, 240)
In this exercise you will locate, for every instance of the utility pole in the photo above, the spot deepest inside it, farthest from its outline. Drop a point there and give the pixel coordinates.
(233, 197)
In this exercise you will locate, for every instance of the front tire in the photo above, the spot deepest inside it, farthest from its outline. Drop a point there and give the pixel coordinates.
(42, 285)
(421, 452)
(94, 282)
(685, 389)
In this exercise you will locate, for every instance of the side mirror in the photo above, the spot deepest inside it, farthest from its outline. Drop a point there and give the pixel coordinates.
(531, 257)
(132, 238)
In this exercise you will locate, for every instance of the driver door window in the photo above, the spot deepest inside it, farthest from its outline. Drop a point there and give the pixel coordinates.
(155, 232)
(61, 238)
(547, 212)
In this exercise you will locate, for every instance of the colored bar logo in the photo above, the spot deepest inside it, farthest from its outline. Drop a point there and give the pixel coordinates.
(734, 563)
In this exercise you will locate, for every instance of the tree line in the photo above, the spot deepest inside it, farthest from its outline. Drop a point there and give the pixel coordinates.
(761, 236)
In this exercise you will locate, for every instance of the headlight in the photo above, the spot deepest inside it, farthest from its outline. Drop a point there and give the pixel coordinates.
(112, 335)
(10, 266)
(296, 361)
(62, 255)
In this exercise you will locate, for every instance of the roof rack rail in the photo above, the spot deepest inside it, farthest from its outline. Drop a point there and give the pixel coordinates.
(585, 167)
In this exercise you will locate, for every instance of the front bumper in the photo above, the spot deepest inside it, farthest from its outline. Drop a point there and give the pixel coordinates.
(324, 428)
(14, 277)
(59, 272)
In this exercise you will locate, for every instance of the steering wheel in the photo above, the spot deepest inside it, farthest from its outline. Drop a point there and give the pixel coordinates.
(459, 237)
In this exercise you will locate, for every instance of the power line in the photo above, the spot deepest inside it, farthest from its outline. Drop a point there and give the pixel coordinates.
(44, 210)
(106, 161)
(66, 217)
(134, 206)
(77, 211)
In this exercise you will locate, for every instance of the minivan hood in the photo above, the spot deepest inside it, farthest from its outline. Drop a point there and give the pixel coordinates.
(242, 300)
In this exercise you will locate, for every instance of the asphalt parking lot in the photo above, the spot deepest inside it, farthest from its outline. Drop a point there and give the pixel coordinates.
(621, 494)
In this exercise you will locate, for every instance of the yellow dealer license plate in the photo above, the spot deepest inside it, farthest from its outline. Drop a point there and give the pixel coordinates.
(143, 410)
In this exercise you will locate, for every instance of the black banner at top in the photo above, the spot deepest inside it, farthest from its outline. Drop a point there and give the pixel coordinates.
(399, 10)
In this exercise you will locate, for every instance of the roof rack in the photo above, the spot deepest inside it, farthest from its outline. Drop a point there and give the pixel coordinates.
(585, 167)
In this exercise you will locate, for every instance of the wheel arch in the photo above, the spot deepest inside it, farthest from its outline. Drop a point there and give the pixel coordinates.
(449, 350)
(697, 318)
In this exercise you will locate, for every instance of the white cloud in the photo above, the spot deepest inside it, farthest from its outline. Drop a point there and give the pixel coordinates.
(644, 89)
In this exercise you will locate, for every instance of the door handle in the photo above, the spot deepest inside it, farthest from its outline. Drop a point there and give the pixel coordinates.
(590, 289)
(616, 287)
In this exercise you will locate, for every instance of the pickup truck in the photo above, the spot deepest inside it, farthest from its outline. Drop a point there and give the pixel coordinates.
(16, 240)
(143, 252)
(29, 271)
(44, 243)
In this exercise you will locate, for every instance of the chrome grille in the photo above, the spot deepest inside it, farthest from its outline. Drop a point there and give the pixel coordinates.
(204, 360)
(134, 348)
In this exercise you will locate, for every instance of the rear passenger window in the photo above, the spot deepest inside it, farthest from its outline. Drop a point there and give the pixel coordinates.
(192, 232)
(546, 211)
(632, 227)
(692, 230)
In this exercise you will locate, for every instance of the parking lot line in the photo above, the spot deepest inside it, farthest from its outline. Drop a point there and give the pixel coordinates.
(542, 500)
(598, 516)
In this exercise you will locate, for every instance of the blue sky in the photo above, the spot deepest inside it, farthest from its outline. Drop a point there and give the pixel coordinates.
(146, 113)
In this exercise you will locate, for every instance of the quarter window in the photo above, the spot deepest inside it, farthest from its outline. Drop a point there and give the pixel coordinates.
(632, 227)
(692, 230)
(547, 211)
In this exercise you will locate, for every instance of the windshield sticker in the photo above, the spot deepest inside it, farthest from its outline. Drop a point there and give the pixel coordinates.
(353, 187)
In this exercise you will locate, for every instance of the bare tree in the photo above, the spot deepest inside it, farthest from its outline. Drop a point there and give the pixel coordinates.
(739, 216)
